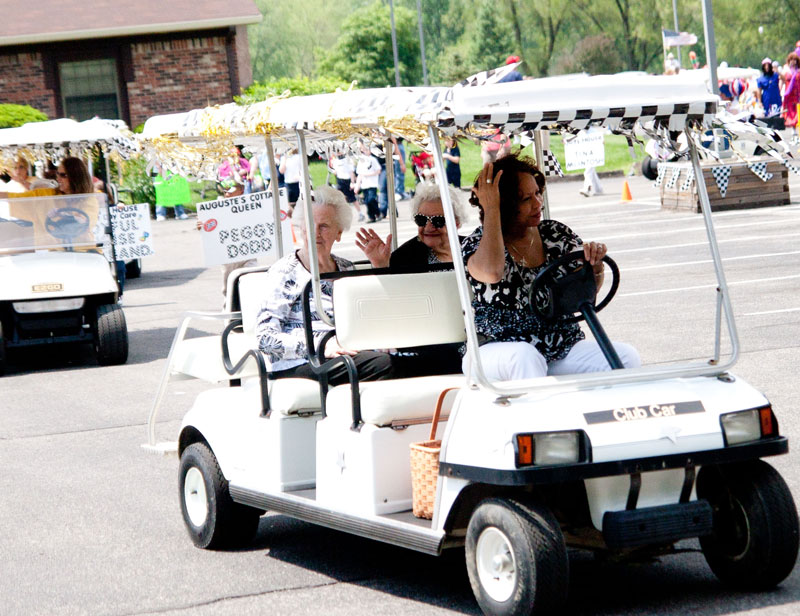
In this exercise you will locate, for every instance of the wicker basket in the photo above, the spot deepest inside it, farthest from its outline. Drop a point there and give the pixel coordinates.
(425, 467)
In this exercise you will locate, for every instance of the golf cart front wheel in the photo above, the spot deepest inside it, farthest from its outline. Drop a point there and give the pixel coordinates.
(111, 335)
(755, 536)
(213, 520)
(133, 269)
(516, 558)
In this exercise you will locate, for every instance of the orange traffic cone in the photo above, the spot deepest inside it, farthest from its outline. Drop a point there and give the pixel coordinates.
(626, 192)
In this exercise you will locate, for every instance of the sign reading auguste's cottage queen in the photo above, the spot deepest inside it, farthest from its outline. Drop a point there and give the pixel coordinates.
(240, 228)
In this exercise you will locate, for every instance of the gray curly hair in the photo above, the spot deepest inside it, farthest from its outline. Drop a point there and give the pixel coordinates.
(324, 195)
(429, 191)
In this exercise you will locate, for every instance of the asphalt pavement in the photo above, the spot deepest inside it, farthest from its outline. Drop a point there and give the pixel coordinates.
(91, 522)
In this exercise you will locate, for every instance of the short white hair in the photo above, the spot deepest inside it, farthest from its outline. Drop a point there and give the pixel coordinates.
(324, 195)
(429, 191)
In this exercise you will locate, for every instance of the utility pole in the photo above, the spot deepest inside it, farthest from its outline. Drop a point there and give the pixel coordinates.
(677, 27)
(394, 46)
(422, 45)
(711, 46)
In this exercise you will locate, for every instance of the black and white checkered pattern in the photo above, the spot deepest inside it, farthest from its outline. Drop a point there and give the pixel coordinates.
(760, 169)
(551, 166)
(673, 179)
(486, 77)
(662, 169)
(792, 166)
(687, 183)
(673, 116)
(722, 174)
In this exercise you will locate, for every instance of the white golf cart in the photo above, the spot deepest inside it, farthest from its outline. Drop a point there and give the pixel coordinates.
(58, 287)
(626, 462)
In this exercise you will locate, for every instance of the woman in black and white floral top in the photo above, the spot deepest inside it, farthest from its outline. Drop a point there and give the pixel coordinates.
(279, 325)
(503, 257)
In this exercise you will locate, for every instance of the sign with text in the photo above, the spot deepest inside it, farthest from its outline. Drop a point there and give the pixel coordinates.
(133, 237)
(587, 149)
(240, 228)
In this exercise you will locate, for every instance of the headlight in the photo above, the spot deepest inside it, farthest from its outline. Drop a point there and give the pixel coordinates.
(550, 448)
(750, 425)
(49, 305)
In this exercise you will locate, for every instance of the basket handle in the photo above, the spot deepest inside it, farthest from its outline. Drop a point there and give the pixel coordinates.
(438, 411)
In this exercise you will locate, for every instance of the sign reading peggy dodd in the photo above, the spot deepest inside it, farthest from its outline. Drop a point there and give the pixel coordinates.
(240, 228)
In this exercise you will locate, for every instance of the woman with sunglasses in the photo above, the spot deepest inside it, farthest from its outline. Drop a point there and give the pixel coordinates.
(430, 249)
(503, 257)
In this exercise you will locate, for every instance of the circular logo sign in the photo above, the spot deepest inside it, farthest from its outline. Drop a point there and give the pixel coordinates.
(210, 225)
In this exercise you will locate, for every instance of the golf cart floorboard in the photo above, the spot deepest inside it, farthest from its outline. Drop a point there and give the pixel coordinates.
(401, 529)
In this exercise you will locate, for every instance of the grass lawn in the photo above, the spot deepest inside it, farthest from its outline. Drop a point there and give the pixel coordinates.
(618, 158)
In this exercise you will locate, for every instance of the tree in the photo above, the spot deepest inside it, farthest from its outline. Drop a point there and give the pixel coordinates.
(596, 54)
(297, 86)
(363, 51)
(491, 39)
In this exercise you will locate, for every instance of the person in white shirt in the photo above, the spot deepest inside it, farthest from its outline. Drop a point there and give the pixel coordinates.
(290, 168)
(368, 172)
(345, 172)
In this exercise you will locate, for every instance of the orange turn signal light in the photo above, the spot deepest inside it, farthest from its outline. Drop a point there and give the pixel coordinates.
(524, 449)
(767, 425)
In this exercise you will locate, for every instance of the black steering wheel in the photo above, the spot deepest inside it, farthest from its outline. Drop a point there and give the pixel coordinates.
(559, 290)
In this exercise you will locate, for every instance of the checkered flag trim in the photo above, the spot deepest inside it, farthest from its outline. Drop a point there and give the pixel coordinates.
(792, 166)
(676, 173)
(722, 175)
(662, 169)
(551, 165)
(760, 169)
(688, 181)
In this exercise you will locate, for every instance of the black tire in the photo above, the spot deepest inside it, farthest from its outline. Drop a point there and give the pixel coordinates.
(222, 523)
(133, 269)
(650, 168)
(110, 335)
(2, 354)
(755, 539)
(529, 544)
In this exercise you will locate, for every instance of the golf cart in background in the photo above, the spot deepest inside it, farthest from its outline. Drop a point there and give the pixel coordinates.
(623, 463)
(58, 286)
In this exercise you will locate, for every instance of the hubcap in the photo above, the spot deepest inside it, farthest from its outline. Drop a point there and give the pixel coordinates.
(194, 496)
(497, 568)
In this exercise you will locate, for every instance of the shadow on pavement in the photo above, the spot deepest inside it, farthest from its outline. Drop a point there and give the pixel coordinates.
(163, 278)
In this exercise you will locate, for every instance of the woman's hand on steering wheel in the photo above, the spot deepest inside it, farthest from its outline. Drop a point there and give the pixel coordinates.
(594, 252)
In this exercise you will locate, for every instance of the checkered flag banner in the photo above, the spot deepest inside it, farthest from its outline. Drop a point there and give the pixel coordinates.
(662, 169)
(791, 166)
(722, 174)
(676, 172)
(483, 78)
(551, 165)
(688, 181)
(760, 169)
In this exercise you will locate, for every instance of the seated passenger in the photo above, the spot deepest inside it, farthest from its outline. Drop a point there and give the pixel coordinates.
(430, 249)
(503, 257)
(279, 326)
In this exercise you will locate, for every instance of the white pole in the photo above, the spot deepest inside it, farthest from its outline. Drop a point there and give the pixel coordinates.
(276, 198)
(677, 28)
(711, 46)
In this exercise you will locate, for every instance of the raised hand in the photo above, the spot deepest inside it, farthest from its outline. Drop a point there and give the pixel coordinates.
(374, 248)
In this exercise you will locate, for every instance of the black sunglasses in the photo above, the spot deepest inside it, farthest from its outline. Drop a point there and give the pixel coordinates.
(436, 221)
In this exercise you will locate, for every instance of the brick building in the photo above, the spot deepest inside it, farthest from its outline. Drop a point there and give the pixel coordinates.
(124, 59)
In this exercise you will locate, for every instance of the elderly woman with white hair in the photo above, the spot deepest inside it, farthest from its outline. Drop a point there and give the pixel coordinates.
(430, 248)
(279, 326)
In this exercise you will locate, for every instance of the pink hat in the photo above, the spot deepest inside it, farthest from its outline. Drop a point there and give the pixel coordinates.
(766, 61)
(512, 59)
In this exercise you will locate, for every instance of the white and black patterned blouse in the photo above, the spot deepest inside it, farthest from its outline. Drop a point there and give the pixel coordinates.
(502, 310)
(279, 325)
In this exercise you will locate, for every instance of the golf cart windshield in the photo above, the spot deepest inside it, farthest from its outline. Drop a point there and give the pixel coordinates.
(69, 223)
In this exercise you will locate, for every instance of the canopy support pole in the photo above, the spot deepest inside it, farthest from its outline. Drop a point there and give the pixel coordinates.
(276, 197)
(311, 233)
(538, 147)
(388, 152)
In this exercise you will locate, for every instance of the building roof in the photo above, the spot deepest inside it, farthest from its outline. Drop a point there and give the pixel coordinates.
(47, 21)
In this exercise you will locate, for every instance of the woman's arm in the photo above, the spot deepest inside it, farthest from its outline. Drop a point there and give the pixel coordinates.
(489, 261)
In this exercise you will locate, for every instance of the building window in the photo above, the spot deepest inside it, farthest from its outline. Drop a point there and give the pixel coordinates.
(90, 88)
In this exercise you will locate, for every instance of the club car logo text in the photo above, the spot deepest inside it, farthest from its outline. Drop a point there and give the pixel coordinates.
(634, 413)
(46, 288)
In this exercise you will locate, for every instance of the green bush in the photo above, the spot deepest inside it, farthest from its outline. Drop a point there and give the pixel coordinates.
(12, 115)
(137, 186)
(298, 86)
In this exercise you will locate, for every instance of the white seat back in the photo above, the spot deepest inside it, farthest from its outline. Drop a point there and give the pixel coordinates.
(397, 310)
(252, 291)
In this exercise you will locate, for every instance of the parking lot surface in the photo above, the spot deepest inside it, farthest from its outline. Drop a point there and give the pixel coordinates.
(91, 522)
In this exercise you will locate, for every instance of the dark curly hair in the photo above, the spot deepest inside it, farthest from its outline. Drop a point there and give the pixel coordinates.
(512, 166)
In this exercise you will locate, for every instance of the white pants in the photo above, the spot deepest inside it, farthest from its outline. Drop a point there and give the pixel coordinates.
(510, 361)
(591, 181)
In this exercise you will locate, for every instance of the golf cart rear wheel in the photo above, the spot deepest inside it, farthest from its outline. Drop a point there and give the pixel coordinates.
(213, 520)
(516, 558)
(755, 538)
(111, 335)
(650, 168)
